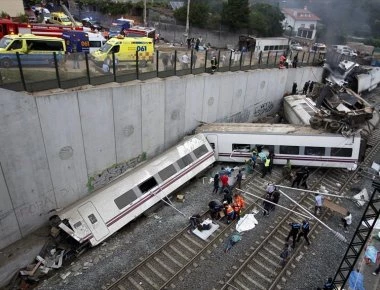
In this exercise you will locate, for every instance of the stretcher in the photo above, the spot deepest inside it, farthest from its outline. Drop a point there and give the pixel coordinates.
(334, 207)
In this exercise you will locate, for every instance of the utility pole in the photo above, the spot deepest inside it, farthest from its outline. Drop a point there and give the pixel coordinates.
(145, 13)
(187, 18)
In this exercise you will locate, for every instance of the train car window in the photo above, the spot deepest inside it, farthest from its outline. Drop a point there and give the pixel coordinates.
(315, 151)
(148, 185)
(200, 151)
(167, 172)
(123, 200)
(184, 161)
(77, 224)
(241, 147)
(341, 152)
(291, 150)
(92, 219)
(269, 148)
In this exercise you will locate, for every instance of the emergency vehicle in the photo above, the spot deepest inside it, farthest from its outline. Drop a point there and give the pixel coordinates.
(9, 27)
(125, 49)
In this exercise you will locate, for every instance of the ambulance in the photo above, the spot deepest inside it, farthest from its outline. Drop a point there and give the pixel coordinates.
(125, 49)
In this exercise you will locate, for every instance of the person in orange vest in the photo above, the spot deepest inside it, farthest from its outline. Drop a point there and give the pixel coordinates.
(237, 210)
(229, 212)
(239, 200)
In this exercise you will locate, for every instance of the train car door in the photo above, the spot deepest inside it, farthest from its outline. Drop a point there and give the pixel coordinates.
(93, 220)
(213, 140)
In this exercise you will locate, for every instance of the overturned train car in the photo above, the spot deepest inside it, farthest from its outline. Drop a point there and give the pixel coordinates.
(105, 211)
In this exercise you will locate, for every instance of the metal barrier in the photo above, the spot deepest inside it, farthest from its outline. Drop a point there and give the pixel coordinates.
(77, 69)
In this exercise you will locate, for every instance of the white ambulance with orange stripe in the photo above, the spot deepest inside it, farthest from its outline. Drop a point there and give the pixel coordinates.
(125, 49)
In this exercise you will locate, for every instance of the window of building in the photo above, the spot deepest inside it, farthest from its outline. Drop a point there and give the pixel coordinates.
(315, 151)
(341, 152)
(148, 185)
(290, 150)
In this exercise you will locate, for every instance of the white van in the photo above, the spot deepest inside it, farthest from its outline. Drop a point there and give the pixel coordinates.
(96, 41)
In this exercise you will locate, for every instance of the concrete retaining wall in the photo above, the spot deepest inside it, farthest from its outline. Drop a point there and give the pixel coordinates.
(51, 146)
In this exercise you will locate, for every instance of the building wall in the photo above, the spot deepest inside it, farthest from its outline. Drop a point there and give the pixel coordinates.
(12, 7)
(296, 24)
(52, 146)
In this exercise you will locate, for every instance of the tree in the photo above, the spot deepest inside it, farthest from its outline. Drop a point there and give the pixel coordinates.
(236, 14)
(265, 20)
(199, 11)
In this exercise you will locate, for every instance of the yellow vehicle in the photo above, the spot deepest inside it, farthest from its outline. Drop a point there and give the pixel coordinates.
(125, 49)
(62, 19)
(33, 50)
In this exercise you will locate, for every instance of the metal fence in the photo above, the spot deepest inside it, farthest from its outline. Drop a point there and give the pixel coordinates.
(25, 73)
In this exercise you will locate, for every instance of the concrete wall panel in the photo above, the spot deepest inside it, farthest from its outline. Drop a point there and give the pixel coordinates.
(127, 116)
(153, 112)
(251, 93)
(61, 127)
(262, 105)
(239, 82)
(175, 99)
(225, 100)
(24, 165)
(194, 102)
(96, 117)
(9, 230)
(211, 98)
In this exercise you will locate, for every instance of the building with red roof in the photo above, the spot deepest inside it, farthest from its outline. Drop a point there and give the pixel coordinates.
(301, 22)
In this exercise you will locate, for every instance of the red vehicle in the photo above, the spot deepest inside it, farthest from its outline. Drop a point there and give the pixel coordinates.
(9, 27)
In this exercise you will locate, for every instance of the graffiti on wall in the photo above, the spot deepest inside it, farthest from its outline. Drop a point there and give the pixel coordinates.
(99, 180)
(263, 108)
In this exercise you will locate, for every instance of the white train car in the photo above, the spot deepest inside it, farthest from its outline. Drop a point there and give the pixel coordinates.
(368, 81)
(105, 211)
(234, 142)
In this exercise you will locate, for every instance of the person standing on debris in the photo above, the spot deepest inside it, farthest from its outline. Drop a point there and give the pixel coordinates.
(239, 178)
(347, 220)
(311, 87)
(305, 87)
(284, 255)
(295, 61)
(295, 228)
(294, 88)
(215, 206)
(216, 183)
(305, 229)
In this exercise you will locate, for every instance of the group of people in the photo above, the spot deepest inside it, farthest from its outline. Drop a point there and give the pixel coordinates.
(230, 206)
(193, 43)
(307, 87)
(264, 157)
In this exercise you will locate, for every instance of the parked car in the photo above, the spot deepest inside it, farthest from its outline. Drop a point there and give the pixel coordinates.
(90, 23)
(296, 46)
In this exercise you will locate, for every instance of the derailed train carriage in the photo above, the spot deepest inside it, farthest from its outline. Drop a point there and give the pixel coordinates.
(302, 145)
(102, 213)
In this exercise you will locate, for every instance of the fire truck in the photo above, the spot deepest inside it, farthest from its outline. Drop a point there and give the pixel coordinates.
(9, 27)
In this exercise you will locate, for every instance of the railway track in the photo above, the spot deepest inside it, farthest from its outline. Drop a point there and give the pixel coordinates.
(170, 264)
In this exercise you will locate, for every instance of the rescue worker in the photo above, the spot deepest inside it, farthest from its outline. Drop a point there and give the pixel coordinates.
(295, 228)
(254, 158)
(318, 203)
(237, 210)
(270, 188)
(305, 229)
(284, 255)
(347, 220)
(229, 212)
(275, 199)
(305, 177)
(266, 166)
(295, 61)
(214, 64)
(216, 183)
(299, 175)
(227, 195)
(215, 206)
(305, 87)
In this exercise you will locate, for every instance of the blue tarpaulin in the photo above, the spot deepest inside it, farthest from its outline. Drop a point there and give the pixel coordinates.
(356, 281)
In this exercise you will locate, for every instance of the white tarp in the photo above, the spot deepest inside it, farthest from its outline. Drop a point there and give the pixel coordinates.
(361, 197)
(206, 233)
(246, 223)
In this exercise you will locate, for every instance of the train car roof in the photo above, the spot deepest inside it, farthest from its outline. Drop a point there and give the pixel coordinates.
(259, 128)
